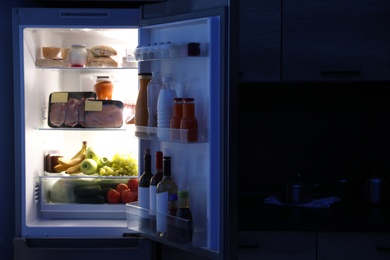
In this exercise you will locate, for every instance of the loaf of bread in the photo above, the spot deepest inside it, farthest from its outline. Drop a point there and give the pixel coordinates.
(100, 61)
(103, 51)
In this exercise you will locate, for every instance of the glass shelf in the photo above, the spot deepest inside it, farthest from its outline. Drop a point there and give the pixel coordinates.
(169, 134)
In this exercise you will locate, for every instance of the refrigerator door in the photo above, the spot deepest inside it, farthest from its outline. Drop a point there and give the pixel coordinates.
(202, 167)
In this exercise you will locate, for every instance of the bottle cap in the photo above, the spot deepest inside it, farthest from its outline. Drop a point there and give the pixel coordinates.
(183, 194)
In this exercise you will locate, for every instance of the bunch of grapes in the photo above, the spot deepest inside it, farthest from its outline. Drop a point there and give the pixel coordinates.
(122, 165)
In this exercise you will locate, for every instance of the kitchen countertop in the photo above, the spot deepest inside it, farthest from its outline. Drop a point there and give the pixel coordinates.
(254, 214)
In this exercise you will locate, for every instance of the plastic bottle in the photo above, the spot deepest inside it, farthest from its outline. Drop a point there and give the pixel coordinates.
(165, 187)
(165, 102)
(141, 107)
(154, 87)
(143, 189)
(157, 177)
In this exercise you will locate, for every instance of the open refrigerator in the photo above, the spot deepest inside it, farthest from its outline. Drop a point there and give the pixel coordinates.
(200, 167)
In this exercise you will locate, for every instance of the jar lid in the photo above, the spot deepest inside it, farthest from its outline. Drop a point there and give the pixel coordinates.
(78, 45)
(103, 79)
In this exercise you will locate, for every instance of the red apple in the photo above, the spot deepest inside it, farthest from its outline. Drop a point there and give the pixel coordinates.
(129, 196)
(133, 184)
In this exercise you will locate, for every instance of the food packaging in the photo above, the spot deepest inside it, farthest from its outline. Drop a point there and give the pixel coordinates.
(103, 113)
(66, 109)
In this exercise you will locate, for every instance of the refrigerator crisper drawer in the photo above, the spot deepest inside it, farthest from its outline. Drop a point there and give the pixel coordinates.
(179, 231)
(79, 197)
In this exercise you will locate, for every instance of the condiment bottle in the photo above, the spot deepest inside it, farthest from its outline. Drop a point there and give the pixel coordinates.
(189, 122)
(103, 88)
(154, 87)
(183, 229)
(77, 55)
(176, 118)
(141, 106)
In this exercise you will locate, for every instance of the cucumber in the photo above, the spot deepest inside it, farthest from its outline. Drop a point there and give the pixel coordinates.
(87, 190)
(94, 199)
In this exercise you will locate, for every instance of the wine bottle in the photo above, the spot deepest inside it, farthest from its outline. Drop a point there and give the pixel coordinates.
(157, 177)
(143, 189)
(164, 188)
(183, 225)
(173, 205)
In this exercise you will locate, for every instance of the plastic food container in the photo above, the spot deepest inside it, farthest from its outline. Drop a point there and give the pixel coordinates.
(66, 109)
(103, 114)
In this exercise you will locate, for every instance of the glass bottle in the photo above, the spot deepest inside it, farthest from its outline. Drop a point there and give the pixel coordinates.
(143, 189)
(176, 118)
(77, 55)
(157, 177)
(103, 88)
(173, 205)
(183, 225)
(141, 107)
(154, 87)
(189, 122)
(164, 188)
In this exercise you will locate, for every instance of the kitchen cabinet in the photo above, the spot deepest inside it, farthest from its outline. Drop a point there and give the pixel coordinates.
(277, 245)
(259, 40)
(335, 40)
(353, 245)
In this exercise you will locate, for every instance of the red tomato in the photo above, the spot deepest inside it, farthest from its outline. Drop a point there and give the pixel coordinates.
(129, 196)
(133, 184)
(113, 196)
(121, 187)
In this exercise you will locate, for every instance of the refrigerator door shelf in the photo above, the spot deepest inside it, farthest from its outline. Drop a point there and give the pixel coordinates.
(82, 197)
(184, 233)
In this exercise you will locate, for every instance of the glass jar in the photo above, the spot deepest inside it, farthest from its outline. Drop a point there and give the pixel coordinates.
(78, 55)
(103, 88)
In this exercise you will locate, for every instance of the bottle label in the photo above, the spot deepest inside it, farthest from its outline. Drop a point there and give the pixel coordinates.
(143, 197)
(152, 199)
(162, 209)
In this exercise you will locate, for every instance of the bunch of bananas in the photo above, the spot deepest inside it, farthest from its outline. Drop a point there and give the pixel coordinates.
(72, 166)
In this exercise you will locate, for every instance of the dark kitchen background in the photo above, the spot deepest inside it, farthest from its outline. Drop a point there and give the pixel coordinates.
(314, 102)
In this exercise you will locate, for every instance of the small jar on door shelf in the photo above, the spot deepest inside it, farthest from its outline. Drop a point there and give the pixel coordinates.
(189, 121)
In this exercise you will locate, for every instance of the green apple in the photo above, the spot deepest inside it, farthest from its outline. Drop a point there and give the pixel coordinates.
(90, 154)
(88, 166)
(104, 161)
